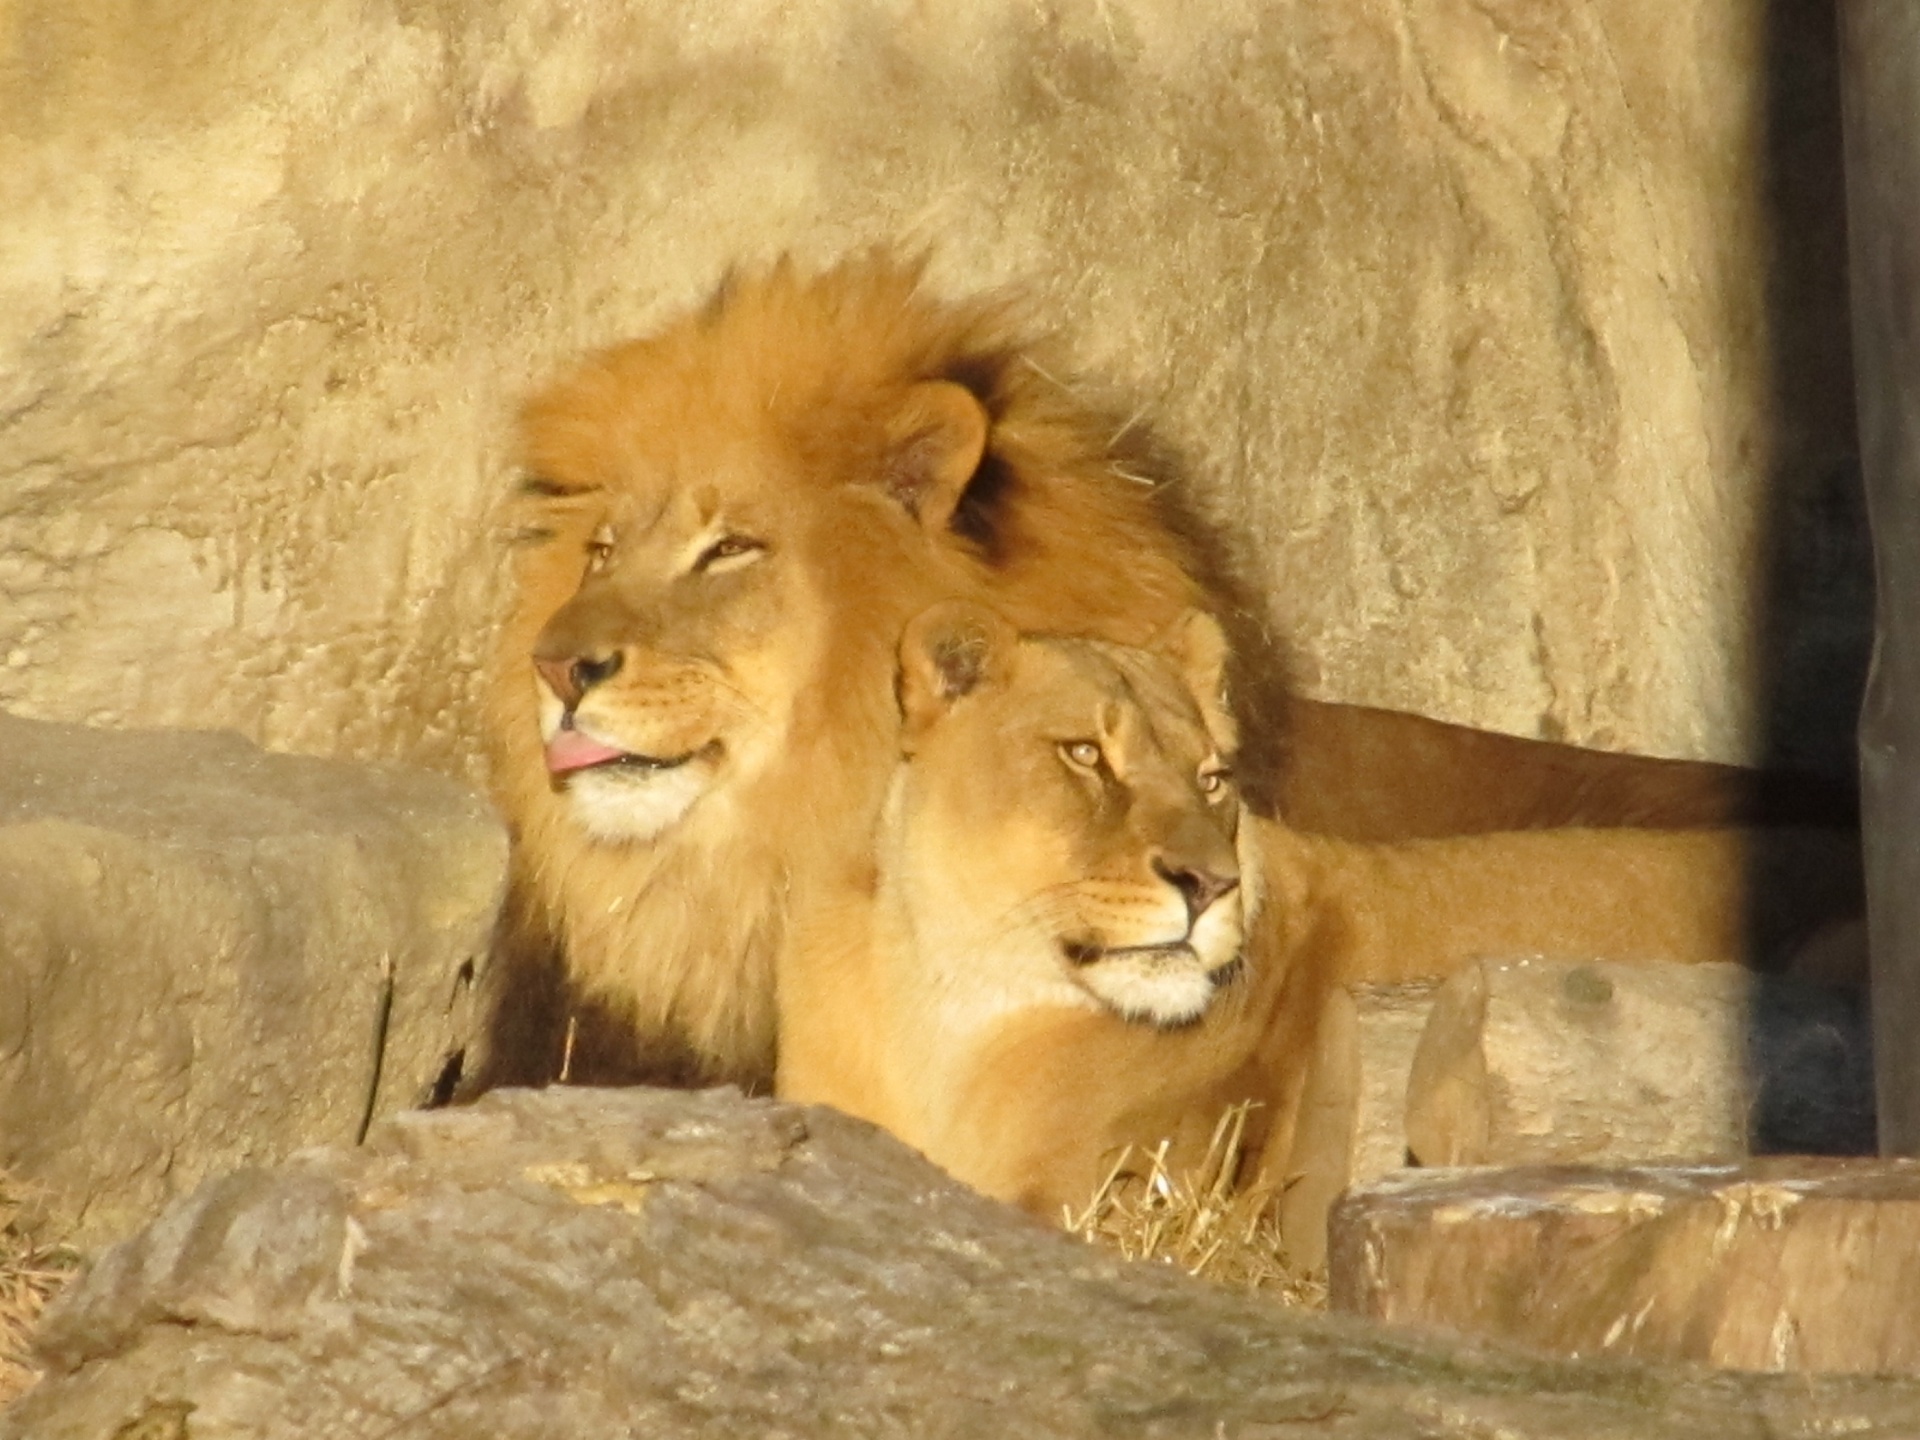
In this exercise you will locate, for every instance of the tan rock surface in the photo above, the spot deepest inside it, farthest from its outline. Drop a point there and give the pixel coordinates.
(1535, 1062)
(587, 1264)
(1462, 312)
(211, 956)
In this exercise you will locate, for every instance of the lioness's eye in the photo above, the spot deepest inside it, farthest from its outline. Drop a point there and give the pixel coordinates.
(600, 547)
(1084, 753)
(727, 547)
(1213, 781)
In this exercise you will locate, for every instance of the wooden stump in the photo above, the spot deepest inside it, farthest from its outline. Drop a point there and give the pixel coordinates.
(1776, 1264)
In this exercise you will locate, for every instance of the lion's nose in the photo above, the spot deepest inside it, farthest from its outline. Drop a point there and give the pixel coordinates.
(1198, 886)
(570, 677)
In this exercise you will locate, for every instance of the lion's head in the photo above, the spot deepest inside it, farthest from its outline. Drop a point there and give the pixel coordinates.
(719, 567)
(1065, 818)
(722, 532)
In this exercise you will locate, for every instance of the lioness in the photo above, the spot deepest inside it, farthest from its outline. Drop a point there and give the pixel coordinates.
(722, 531)
(1046, 969)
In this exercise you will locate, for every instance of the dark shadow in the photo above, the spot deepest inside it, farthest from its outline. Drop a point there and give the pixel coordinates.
(1810, 1056)
(1814, 604)
(537, 1029)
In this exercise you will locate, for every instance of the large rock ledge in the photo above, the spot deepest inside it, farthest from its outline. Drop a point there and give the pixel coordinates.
(603, 1263)
(212, 956)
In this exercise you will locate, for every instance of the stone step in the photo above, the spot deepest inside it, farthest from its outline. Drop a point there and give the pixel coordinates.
(211, 956)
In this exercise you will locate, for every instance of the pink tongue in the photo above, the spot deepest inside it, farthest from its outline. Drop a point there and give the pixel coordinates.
(569, 750)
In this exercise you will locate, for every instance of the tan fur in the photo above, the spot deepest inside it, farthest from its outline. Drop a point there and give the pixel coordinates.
(1029, 1098)
(891, 450)
(826, 416)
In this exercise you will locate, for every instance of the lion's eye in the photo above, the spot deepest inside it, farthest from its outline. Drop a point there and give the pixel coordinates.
(600, 548)
(1213, 780)
(727, 547)
(1083, 753)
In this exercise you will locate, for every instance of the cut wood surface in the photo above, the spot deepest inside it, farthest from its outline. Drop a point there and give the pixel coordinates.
(1773, 1264)
(1353, 1108)
(1532, 1062)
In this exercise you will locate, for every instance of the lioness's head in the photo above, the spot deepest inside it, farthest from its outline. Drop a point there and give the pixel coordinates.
(1066, 810)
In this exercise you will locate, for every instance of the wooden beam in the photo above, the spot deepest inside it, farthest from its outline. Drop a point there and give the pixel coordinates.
(1774, 1264)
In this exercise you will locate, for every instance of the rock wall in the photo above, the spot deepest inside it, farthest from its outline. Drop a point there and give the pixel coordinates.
(1478, 323)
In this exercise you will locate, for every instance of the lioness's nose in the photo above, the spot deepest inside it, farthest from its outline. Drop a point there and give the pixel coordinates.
(571, 676)
(1198, 886)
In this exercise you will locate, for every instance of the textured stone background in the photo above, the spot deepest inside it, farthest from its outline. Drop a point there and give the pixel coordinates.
(1493, 331)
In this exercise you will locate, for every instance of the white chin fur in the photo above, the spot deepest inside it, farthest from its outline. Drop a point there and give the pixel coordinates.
(620, 806)
(1155, 989)
(1218, 934)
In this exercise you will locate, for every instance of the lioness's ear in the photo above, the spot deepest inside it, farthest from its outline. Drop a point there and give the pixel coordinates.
(934, 443)
(1196, 643)
(946, 652)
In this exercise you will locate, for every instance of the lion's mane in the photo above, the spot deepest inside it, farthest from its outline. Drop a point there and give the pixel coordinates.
(675, 939)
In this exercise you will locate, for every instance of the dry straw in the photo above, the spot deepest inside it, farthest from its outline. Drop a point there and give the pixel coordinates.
(30, 1274)
(1197, 1219)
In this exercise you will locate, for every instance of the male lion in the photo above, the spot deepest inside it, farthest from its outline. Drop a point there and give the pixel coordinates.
(1048, 968)
(723, 530)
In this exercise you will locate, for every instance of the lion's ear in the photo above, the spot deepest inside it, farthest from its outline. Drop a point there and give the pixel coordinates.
(948, 652)
(934, 447)
(1196, 643)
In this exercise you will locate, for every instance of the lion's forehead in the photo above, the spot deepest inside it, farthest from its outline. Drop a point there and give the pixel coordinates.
(687, 493)
(654, 437)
